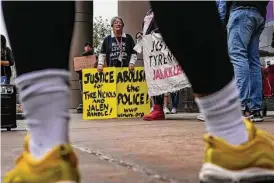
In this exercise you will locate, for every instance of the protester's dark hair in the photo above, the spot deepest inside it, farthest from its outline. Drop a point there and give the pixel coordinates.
(88, 44)
(3, 42)
(113, 20)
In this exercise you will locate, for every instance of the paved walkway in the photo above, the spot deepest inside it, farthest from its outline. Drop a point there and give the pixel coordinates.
(132, 150)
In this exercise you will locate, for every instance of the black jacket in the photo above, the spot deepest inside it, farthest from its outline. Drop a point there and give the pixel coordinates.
(6, 55)
(111, 50)
(260, 5)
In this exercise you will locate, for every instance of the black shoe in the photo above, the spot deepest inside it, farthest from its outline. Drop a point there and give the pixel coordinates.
(80, 109)
(247, 113)
(256, 117)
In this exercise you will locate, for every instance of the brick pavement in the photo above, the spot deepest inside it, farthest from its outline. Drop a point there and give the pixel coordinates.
(132, 151)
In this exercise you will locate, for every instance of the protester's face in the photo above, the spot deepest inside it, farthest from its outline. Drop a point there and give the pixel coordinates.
(118, 24)
(87, 48)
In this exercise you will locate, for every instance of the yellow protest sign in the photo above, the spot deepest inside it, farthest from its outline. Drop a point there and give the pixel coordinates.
(99, 94)
(132, 94)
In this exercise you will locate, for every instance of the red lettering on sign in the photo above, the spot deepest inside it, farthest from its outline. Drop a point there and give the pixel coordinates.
(167, 72)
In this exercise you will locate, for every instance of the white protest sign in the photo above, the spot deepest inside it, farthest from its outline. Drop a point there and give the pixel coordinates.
(163, 73)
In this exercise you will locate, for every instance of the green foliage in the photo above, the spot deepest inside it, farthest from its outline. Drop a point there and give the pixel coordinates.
(101, 28)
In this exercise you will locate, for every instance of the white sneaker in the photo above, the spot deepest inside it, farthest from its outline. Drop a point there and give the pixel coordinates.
(201, 117)
(173, 111)
(166, 110)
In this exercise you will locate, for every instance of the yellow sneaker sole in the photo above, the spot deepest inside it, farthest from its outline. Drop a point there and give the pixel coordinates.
(214, 174)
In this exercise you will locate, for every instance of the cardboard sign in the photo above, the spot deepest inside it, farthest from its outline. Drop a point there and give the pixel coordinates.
(133, 100)
(99, 94)
(84, 62)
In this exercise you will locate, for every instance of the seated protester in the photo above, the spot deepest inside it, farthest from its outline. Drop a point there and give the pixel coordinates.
(7, 61)
(117, 48)
(87, 51)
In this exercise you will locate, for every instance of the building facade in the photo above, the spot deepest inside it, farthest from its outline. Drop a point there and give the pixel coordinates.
(83, 30)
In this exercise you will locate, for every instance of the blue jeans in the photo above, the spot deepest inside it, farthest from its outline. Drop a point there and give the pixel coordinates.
(175, 99)
(221, 5)
(244, 28)
(5, 80)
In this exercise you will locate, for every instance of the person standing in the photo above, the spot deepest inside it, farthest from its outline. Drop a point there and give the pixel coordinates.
(174, 102)
(7, 61)
(117, 48)
(158, 110)
(245, 25)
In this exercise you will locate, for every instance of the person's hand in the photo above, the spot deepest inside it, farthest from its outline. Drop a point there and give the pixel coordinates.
(139, 36)
(131, 67)
(5, 63)
(100, 68)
